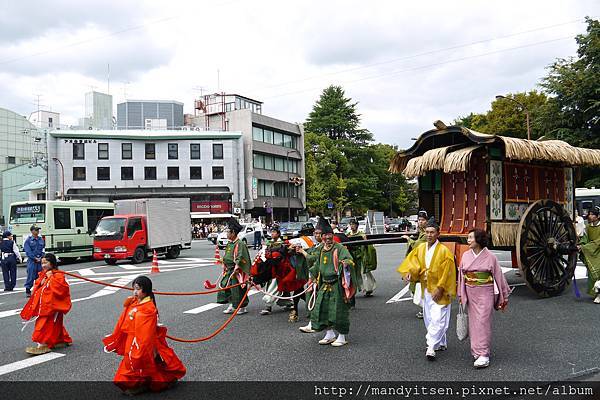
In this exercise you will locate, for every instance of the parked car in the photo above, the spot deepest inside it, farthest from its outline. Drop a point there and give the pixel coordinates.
(291, 230)
(212, 237)
(399, 225)
(246, 235)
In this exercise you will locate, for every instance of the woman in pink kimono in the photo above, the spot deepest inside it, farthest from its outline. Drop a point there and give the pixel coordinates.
(483, 288)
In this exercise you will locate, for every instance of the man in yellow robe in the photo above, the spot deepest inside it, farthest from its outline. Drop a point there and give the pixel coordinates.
(432, 264)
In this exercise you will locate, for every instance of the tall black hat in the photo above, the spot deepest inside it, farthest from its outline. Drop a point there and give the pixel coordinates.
(234, 226)
(353, 221)
(432, 224)
(324, 226)
(595, 210)
(275, 228)
(422, 214)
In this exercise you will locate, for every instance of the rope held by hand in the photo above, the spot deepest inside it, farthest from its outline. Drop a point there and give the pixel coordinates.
(154, 291)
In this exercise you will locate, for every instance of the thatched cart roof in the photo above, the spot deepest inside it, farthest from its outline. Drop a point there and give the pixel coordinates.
(450, 149)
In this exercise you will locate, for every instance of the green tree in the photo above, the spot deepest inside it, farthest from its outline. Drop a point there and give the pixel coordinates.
(573, 110)
(507, 118)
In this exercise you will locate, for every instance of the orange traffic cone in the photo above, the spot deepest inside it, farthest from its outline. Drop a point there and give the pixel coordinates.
(154, 269)
(217, 256)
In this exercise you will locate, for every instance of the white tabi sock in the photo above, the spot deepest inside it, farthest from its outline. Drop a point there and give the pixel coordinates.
(330, 334)
(341, 338)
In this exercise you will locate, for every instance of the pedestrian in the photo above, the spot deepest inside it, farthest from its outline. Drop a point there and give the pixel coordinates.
(257, 236)
(9, 256)
(236, 261)
(148, 361)
(579, 224)
(482, 287)
(365, 259)
(590, 248)
(412, 243)
(336, 280)
(334, 226)
(50, 301)
(34, 250)
(432, 264)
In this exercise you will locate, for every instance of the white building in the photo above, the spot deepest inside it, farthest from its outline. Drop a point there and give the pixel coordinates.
(98, 111)
(207, 167)
(45, 119)
(274, 153)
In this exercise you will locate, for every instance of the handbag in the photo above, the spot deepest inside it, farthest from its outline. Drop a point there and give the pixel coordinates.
(462, 323)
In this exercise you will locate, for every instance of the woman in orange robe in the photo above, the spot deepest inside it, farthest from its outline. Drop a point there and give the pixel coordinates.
(50, 301)
(148, 361)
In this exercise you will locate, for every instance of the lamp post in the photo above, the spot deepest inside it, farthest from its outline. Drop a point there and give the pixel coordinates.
(62, 175)
(498, 97)
(287, 166)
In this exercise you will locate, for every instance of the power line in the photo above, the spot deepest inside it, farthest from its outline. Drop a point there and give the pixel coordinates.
(427, 66)
(426, 53)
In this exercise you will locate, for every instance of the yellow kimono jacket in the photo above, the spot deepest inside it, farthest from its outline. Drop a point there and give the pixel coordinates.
(441, 273)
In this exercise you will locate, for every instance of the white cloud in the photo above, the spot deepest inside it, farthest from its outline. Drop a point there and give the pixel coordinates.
(401, 61)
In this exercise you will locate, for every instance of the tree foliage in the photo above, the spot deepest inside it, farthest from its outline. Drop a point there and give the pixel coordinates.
(344, 167)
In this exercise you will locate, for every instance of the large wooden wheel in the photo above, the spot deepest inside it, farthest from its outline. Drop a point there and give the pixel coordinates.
(546, 248)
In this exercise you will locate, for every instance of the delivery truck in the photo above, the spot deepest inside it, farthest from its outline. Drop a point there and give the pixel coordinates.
(140, 226)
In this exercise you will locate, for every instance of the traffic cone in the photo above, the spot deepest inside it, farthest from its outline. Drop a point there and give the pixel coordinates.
(217, 256)
(154, 269)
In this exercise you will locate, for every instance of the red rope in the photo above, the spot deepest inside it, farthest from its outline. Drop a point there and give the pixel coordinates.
(154, 291)
(215, 333)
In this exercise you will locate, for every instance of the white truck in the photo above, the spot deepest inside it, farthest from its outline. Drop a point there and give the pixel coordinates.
(141, 226)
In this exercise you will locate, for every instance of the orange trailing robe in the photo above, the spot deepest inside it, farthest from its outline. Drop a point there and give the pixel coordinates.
(148, 361)
(49, 302)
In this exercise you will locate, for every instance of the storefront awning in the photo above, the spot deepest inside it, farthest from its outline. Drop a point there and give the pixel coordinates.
(199, 215)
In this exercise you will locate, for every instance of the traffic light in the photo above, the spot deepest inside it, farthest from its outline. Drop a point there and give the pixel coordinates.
(296, 180)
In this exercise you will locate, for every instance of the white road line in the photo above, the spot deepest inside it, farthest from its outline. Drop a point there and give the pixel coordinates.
(399, 295)
(29, 362)
(210, 306)
(85, 272)
(10, 313)
(108, 290)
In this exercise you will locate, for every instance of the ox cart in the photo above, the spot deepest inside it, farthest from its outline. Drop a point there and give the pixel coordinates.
(520, 191)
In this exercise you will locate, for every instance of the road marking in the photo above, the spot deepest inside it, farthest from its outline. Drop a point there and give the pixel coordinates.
(29, 362)
(210, 306)
(108, 290)
(10, 313)
(398, 295)
(85, 272)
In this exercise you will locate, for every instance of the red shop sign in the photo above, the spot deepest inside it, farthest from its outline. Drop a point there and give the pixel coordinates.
(213, 207)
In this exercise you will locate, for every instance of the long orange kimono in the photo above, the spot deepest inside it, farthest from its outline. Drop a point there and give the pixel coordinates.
(147, 358)
(49, 302)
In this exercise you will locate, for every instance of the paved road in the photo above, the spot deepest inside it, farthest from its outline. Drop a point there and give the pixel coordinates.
(536, 339)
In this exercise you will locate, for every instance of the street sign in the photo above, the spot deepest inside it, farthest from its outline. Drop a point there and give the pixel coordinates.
(330, 205)
(237, 210)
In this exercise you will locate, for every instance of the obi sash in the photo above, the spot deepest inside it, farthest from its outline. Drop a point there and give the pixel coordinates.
(477, 278)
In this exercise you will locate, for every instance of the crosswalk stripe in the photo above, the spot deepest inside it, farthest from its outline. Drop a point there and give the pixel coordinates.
(210, 306)
(29, 362)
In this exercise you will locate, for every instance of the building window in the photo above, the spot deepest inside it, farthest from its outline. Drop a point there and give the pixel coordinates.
(195, 151)
(173, 173)
(126, 151)
(173, 151)
(287, 141)
(11, 160)
(258, 161)
(79, 173)
(268, 136)
(218, 173)
(217, 151)
(78, 151)
(279, 162)
(278, 139)
(102, 151)
(265, 188)
(103, 173)
(269, 162)
(41, 196)
(150, 151)
(150, 173)
(126, 173)
(195, 172)
(257, 134)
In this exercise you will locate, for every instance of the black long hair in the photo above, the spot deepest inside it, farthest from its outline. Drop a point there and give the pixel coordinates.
(145, 285)
(51, 258)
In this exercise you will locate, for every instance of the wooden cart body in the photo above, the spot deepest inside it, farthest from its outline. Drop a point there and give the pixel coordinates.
(520, 191)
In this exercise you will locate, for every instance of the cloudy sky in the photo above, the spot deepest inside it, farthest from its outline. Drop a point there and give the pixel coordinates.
(406, 63)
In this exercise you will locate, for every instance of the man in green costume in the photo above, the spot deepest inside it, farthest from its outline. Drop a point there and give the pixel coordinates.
(590, 248)
(413, 243)
(237, 263)
(312, 253)
(365, 259)
(336, 280)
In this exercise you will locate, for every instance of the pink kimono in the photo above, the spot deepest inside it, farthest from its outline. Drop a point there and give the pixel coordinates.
(481, 298)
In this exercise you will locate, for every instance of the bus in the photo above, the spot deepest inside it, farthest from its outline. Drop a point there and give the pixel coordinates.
(586, 199)
(66, 226)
